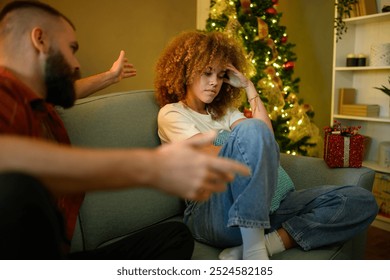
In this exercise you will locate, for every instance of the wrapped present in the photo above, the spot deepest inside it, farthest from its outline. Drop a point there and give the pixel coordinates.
(343, 147)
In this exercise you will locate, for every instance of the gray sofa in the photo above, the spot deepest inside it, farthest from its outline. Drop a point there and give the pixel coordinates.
(128, 119)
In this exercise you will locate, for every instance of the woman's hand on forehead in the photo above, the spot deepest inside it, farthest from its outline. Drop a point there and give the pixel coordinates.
(235, 78)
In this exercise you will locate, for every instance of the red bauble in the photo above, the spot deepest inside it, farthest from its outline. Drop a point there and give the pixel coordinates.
(289, 65)
(275, 1)
(271, 11)
(247, 113)
(283, 40)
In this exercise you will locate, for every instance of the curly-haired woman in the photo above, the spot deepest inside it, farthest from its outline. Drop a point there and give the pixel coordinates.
(199, 80)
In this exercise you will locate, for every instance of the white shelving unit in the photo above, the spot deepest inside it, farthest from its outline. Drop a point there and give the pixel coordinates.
(363, 32)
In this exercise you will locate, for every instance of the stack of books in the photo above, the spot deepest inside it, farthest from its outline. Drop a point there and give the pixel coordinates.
(347, 105)
(360, 110)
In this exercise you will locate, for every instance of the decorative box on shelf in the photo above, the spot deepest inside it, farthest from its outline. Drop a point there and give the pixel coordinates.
(343, 147)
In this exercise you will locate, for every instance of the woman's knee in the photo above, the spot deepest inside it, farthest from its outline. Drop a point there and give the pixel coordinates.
(256, 132)
(362, 201)
(252, 126)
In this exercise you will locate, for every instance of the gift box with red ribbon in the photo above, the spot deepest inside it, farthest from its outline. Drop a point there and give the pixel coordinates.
(343, 147)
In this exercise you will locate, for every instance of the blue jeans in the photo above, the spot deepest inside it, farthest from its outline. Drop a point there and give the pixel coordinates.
(247, 200)
(313, 217)
(325, 215)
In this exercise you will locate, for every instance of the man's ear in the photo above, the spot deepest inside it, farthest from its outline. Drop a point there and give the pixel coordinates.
(39, 40)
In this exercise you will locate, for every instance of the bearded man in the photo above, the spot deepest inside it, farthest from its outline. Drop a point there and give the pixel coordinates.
(43, 179)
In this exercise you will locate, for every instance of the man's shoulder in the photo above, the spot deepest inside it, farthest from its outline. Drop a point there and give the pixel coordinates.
(12, 88)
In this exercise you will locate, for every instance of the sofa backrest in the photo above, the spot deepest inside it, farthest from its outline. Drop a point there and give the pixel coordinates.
(118, 120)
(124, 119)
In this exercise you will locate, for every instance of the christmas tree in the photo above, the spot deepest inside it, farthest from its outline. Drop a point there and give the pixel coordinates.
(256, 24)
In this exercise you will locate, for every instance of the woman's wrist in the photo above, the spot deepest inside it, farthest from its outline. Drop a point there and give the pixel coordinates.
(253, 98)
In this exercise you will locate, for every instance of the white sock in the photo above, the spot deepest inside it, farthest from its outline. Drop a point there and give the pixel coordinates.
(274, 243)
(233, 253)
(253, 242)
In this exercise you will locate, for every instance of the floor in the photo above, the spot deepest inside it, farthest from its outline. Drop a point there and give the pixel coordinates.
(378, 244)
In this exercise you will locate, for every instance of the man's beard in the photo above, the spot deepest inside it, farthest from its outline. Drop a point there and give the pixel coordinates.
(59, 80)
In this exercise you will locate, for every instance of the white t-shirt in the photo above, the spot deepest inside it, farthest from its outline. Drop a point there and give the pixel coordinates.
(177, 122)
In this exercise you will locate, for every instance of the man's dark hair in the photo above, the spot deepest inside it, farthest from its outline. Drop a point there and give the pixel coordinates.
(34, 4)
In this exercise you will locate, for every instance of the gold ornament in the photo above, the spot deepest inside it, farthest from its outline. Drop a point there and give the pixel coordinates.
(262, 29)
(222, 7)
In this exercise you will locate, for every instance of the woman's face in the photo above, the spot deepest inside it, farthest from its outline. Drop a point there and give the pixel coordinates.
(205, 87)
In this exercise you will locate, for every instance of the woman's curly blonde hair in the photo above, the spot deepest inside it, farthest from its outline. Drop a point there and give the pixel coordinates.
(187, 56)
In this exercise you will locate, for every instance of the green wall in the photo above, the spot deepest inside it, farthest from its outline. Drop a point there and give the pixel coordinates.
(141, 28)
(310, 26)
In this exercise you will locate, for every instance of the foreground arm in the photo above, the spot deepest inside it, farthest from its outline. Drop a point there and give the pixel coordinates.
(177, 168)
(120, 69)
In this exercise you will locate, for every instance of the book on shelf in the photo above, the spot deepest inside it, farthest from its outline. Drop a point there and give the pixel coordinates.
(348, 106)
(360, 110)
(346, 96)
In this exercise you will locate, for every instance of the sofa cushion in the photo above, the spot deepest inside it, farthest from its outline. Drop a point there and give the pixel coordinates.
(125, 119)
(109, 215)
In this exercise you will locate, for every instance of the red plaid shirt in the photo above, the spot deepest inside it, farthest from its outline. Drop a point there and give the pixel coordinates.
(24, 113)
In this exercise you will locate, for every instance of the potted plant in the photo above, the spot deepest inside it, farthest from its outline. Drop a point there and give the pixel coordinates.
(386, 90)
(343, 10)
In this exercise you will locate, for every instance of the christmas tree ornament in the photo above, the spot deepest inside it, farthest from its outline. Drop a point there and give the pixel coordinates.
(246, 6)
(289, 65)
(233, 29)
(247, 113)
(262, 29)
(271, 11)
(274, 53)
(222, 7)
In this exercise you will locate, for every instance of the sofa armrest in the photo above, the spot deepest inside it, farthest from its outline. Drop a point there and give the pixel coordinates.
(308, 172)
